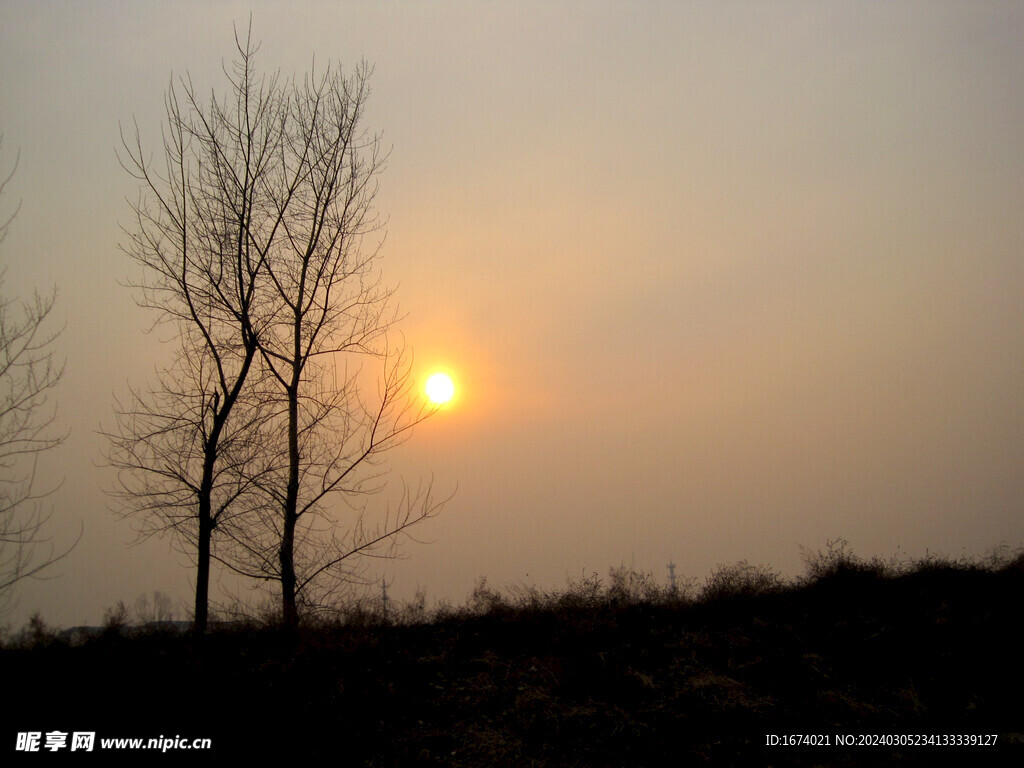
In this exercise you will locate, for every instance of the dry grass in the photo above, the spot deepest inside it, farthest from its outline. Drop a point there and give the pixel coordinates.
(605, 672)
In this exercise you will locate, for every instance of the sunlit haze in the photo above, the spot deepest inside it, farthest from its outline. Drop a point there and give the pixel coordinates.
(715, 281)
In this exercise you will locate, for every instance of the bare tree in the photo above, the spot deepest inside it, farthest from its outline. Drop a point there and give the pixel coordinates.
(203, 229)
(323, 519)
(158, 611)
(249, 236)
(179, 449)
(324, 317)
(28, 374)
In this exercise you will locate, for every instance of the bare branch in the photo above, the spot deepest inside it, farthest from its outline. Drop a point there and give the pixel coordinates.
(28, 374)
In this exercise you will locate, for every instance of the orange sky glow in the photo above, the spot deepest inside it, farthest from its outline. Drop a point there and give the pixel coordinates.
(713, 281)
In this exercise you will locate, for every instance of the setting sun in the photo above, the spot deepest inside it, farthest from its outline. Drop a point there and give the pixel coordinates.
(440, 388)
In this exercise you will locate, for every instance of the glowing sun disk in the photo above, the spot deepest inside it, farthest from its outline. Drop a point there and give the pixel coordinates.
(440, 388)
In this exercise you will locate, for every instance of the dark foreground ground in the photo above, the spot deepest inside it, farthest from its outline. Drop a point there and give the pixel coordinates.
(589, 677)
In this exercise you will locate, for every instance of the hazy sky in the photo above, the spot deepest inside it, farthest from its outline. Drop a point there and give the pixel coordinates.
(716, 279)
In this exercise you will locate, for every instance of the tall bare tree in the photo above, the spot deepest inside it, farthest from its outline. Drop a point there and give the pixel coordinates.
(28, 374)
(251, 241)
(204, 226)
(324, 322)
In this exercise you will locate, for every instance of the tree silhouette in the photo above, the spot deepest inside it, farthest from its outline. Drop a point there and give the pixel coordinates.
(28, 374)
(201, 234)
(250, 238)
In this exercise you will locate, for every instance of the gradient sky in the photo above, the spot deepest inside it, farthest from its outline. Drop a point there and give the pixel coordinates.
(717, 280)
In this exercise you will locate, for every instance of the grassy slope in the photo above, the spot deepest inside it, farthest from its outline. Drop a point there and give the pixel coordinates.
(584, 678)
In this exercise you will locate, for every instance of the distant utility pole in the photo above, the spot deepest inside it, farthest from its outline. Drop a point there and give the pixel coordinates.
(672, 576)
(384, 598)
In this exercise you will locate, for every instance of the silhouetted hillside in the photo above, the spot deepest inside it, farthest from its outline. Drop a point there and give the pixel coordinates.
(622, 675)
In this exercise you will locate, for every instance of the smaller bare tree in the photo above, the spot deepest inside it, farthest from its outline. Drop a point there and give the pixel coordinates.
(159, 610)
(28, 373)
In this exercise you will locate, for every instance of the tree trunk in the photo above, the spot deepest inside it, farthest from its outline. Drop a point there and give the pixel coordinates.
(203, 568)
(289, 611)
